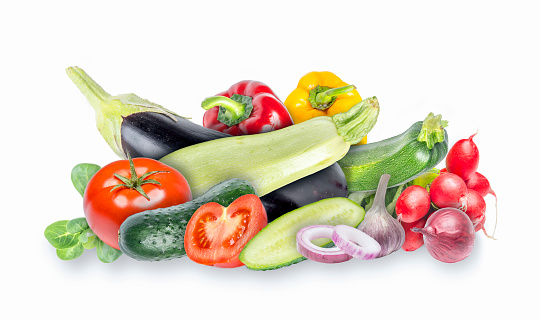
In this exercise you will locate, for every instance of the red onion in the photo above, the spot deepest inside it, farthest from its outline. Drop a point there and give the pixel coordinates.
(319, 254)
(448, 235)
(355, 242)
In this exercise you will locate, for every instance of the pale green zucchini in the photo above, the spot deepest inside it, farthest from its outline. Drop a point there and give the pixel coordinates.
(274, 159)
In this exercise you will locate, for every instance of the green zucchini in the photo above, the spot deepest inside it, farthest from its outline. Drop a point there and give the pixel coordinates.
(274, 159)
(404, 157)
(158, 234)
(275, 245)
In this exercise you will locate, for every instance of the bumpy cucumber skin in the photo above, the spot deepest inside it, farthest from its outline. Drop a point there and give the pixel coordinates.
(403, 157)
(324, 212)
(158, 234)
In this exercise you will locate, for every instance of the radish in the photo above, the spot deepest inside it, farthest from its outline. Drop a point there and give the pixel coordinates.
(449, 190)
(413, 240)
(413, 204)
(476, 209)
(480, 183)
(463, 158)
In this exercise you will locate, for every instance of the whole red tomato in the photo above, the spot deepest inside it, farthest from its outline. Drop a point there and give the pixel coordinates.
(125, 187)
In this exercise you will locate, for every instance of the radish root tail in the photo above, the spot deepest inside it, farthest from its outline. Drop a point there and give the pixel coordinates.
(495, 226)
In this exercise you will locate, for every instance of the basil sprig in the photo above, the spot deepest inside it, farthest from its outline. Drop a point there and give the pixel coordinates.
(72, 237)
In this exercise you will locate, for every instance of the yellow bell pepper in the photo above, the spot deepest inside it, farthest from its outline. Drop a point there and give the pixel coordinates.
(321, 94)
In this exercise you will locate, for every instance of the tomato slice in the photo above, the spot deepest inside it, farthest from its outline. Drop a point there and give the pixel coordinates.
(215, 235)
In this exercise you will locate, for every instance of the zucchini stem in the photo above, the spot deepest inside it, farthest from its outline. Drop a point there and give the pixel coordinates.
(432, 131)
(358, 121)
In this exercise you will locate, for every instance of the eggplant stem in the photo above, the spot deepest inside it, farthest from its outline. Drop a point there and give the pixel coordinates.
(88, 87)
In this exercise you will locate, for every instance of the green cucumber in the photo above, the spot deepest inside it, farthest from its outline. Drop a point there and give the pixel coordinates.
(274, 159)
(158, 234)
(404, 157)
(275, 245)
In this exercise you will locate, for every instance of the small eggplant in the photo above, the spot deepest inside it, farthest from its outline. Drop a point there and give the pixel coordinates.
(154, 135)
(137, 126)
(327, 183)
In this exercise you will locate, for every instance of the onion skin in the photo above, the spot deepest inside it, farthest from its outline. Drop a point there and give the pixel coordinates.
(318, 254)
(448, 235)
(356, 243)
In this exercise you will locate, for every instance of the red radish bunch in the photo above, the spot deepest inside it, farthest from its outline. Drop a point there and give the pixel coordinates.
(462, 160)
(458, 186)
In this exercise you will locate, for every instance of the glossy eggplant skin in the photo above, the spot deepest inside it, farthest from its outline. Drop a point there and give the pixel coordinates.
(154, 135)
(327, 183)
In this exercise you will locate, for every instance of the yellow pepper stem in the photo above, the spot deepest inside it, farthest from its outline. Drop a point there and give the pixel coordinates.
(322, 98)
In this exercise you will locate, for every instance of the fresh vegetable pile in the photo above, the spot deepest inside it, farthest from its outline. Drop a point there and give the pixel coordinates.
(268, 184)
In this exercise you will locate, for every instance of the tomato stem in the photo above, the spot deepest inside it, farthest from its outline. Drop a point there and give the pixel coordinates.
(135, 182)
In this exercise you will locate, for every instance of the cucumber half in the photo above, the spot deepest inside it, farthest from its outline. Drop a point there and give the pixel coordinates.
(275, 245)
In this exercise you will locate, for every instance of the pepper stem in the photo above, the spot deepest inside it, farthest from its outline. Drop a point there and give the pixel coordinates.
(432, 130)
(356, 123)
(326, 96)
(322, 98)
(232, 110)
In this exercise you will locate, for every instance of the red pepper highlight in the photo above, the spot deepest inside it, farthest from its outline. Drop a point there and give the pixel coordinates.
(248, 107)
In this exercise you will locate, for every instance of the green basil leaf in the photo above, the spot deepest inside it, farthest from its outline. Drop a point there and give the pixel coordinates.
(77, 225)
(91, 242)
(59, 237)
(81, 174)
(70, 253)
(107, 253)
(83, 237)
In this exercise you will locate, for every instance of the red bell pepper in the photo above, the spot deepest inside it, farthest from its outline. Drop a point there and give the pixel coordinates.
(248, 107)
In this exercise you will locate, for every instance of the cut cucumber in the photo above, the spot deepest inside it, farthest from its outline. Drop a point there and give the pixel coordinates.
(275, 245)
(158, 234)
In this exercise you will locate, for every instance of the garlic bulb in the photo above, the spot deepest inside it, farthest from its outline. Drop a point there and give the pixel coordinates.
(380, 225)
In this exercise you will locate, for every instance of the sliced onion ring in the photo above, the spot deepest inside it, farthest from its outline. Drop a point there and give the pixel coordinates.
(316, 253)
(355, 242)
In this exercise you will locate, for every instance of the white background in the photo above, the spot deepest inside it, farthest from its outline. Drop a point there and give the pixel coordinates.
(476, 63)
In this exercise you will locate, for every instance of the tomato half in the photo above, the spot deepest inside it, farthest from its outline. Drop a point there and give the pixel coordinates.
(215, 235)
(109, 198)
